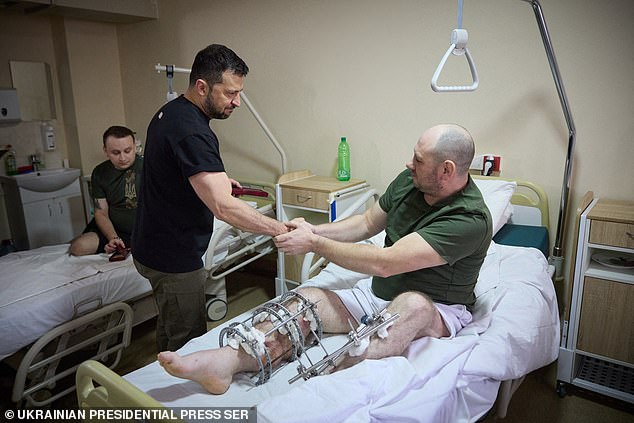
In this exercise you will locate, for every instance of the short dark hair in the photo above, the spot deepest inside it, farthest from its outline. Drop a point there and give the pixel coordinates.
(214, 60)
(117, 132)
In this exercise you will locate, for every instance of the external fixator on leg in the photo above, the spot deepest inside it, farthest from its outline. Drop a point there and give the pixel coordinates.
(358, 340)
(245, 335)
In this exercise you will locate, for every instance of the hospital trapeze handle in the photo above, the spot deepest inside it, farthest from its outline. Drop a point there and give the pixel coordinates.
(458, 47)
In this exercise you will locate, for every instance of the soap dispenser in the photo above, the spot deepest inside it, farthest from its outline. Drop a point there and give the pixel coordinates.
(48, 136)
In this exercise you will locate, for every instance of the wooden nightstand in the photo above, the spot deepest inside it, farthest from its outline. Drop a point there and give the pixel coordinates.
(597, 348)
(318, 199)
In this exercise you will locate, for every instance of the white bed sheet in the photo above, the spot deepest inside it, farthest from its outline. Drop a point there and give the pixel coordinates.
(41, 287)
(515, 330)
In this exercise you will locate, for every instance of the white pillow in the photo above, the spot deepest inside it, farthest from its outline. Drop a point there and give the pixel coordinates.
(497, 196)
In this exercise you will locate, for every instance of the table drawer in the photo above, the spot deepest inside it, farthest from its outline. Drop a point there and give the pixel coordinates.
(305, 198)
(612, 233)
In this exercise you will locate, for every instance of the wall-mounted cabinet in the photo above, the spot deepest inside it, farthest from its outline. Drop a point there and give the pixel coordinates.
(9, 105)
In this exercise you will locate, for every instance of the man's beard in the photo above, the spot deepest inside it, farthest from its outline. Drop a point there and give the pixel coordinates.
(431, 185)
(211, 111)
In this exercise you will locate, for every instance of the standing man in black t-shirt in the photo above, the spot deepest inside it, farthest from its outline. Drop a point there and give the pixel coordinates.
(114, 185)
(184, 187)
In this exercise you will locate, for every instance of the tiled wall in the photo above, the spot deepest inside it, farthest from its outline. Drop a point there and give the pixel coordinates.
(26, 139)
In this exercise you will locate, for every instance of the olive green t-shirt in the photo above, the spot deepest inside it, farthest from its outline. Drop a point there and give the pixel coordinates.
(119, 188)
(459, 229)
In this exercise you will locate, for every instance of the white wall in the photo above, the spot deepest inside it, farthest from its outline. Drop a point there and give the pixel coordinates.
(361, 68)
(95, 85)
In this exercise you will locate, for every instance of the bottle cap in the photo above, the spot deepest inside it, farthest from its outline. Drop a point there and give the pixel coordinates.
(343, 139)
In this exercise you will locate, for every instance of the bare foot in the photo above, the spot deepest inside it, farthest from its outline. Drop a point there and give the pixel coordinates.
(210, 368)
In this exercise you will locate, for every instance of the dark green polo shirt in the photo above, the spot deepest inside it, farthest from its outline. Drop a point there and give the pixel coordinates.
(459, 229)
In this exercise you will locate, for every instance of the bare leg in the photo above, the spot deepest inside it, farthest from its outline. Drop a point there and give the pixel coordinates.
(84, 244)
(214, 368)
(418, 318)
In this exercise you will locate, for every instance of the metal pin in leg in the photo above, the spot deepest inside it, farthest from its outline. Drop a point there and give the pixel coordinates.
(380, 320)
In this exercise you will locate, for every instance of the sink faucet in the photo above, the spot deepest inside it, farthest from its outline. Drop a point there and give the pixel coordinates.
(35, 162)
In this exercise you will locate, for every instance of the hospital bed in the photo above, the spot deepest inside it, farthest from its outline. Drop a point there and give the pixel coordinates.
(515, 330)
(55, 307)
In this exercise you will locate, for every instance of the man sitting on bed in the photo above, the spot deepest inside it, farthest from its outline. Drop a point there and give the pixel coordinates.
(438, 230)
(115, 183)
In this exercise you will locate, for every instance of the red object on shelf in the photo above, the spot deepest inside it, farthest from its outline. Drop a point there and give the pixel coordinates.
(25, 169)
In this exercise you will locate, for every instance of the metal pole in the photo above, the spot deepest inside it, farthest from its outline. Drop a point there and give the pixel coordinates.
(563, 206)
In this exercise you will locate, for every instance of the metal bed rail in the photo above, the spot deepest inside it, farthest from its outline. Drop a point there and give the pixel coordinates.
(50, 358)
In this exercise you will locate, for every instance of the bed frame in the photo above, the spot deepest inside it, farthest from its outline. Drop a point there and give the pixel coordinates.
(529, 200)
(45, 368)
(56, 355)
(98, 386)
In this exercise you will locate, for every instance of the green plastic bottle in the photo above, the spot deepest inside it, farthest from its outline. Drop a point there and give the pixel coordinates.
(10, 166)
(343, 166)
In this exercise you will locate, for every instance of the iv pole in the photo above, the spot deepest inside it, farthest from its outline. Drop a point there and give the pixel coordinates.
(170, 69)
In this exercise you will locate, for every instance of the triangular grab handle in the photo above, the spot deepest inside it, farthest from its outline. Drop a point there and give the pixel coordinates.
(458, 47)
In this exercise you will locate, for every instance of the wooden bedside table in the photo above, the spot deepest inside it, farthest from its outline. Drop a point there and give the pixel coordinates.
(597, 348)
(318, 199)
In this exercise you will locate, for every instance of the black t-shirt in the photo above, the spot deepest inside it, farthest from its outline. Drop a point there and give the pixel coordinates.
(173, 226)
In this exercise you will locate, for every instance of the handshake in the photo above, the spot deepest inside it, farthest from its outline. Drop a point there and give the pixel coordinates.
(300, 238)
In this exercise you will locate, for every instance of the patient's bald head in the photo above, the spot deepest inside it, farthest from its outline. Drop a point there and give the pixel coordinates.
(453, 142)
(440, 165)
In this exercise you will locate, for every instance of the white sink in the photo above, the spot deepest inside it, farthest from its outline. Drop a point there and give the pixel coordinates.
(46, 180)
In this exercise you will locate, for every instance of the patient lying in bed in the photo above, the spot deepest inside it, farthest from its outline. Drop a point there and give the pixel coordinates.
(438, 232)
